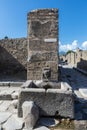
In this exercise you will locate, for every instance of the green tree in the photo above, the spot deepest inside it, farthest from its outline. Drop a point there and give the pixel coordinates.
(69, 51)
(6, 37)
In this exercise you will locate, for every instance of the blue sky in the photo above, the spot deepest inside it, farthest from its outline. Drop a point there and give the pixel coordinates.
(72, 20)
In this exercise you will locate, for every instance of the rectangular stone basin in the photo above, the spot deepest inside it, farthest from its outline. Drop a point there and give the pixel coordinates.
(53, 102)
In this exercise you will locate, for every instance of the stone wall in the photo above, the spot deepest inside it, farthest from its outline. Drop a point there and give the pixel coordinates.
(43, 43)
(13, 56)
(77, 59)
(81, 59)
(70, 57)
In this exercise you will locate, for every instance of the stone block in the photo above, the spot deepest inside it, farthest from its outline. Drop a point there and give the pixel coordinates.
(13, 123)
(42, 128)
(4, 116)
(41, 84)
(83, 92)
(43, 43)
(53, 102)
(30, 114)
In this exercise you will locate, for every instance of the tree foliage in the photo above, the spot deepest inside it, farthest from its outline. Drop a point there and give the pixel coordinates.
(69, 51)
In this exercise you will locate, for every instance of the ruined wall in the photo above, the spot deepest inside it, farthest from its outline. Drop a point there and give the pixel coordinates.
(72, 58)
(13, 56)
(43, 43)
(78, 59)
(68, 58)
(81, 58)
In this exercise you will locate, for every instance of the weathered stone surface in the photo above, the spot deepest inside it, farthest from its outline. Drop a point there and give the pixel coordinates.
(78, 116)
(0, 127)
(46, 85)
(6, 95)
(42, 128)
(5, 105)
(4, 116)
(53, 102)
(41, 84)
(77, 59)
(85, 111)
(80, 124)
(30, 114)
(43, 44)
(13, 123)
(42, 56)
(12, 109)
(13, 56)
(29, 84)
(14, 103)
(66, 86)
(15, 95)
(83, 91)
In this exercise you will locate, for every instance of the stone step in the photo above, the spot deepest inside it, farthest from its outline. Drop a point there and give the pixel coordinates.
(83, 92)
(4, 106)
(13, 123)
(9, 93)
(11, 83)
(4, 116)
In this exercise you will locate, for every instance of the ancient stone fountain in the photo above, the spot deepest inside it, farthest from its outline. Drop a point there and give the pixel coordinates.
(42, 86)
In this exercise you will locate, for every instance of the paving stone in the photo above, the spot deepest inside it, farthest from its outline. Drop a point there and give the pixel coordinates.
(5, 95)
(12, 109)
(15, 95)
(4, 116)
(30, 114)
(10, 94)
(49, 122)
(4, 83)
(79, 96)
(78, 116)
(1, 102)
(14, 103)
(5, 105)
(10, 91)
(13, 123)
(0, 127)
(83, 91)
(42, 128)
(85, 110)
(80, 124)
(11, 83)
(13, 106)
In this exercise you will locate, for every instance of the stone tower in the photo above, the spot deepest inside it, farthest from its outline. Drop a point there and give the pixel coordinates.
(43, 45)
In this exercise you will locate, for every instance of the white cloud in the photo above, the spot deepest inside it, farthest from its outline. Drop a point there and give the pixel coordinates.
(66, 47)
(84, 45)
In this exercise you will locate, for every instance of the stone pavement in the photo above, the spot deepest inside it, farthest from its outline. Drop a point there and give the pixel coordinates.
(9, 108)
(78, 82)
(9, 101)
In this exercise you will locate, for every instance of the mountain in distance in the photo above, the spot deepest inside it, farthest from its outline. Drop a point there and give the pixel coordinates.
(62, 53)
